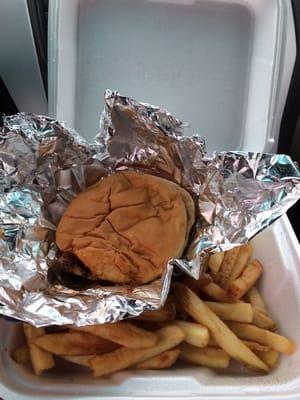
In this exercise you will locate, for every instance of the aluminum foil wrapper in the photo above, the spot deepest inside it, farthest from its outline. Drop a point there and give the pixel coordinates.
(43, 165)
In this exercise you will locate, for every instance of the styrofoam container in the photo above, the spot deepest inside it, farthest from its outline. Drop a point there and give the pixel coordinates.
(279, 251)
(222, 65)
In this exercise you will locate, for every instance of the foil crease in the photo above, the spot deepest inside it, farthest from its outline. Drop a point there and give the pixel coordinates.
(43, 165)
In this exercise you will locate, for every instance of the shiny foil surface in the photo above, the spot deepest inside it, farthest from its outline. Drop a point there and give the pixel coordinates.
(43, 165)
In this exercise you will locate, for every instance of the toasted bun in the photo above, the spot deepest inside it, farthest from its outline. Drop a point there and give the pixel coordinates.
(127, 226)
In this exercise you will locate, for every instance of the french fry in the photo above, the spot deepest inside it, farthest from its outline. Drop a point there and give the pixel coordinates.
(21, 354)
(256, 300)
(79, 360)
(195, 334)
(262, 336)
(242, 260)
(161, 361)
(229, 260)
(123, 333)
(204, 279)
(260, 317)
(225, 338)
(73, 344)
(40, 359)
(208, 357)
(214, 262)
(196, 284)
(262, 320)
(122, 358)
(216, 293)
(166, 313)
(240, 286)
(241, 312)
(269, 357)
(254, 346)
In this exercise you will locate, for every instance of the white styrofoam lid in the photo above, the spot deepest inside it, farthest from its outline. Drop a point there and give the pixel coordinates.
(174, 56)
(216, 64)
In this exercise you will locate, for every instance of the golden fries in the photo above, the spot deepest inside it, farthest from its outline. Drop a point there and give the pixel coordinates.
(195, 334)
(262, 320)
(215, 261)
(165, 314)
(123, 357)
(161, 361)
(196, 284)
(262, 336)
(254, 346)
(186, 327)
(79, 360)
(269, 357)
(241, 312)
(229, 260)
(256, 300)
(216, 293)
(241, 261)
(21, 354)
(225, 338)
(204, 279)
(73, 344)
(208, 357)
(123, 333)
(40, 359)
(260, 317)
(240, 286)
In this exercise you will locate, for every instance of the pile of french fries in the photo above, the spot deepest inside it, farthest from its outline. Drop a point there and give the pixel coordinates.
(206, 322)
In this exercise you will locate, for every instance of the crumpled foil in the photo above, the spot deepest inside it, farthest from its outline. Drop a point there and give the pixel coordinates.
(43, 165)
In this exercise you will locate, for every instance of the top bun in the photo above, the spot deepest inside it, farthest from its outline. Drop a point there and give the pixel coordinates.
(127, 226)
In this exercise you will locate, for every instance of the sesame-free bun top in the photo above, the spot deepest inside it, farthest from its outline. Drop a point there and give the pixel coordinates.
(127, 226)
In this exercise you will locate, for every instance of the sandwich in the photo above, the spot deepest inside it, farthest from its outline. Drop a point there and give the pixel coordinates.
(126, 227)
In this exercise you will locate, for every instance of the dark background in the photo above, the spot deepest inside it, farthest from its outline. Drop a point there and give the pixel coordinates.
(289, 140)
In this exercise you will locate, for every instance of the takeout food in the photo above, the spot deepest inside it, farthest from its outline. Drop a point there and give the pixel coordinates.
(127, 226)
(236, 194)
(202, 323)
